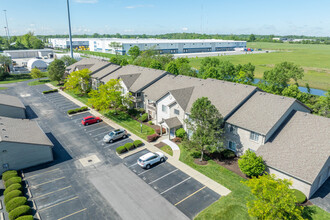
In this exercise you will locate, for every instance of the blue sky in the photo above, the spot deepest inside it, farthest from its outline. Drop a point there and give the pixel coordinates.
(279, 17)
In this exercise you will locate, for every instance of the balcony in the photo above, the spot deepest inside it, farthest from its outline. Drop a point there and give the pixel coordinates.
(151, 107)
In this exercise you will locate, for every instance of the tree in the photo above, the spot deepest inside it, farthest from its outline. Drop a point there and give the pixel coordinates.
(78, 81)
(279, 77)
(172, 68)
(36, 43)
(36, 73)
(116, 46)
(322, 106)
(68, 60)
(134, 52)
(110, 95)
(56, 70)
(155, 65)
(252, 38)
(251, 164)
(5, 62)
(123, 62)
(205, 123)
(274, 199)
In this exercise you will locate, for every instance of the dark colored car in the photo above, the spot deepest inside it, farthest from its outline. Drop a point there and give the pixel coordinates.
(90, 120)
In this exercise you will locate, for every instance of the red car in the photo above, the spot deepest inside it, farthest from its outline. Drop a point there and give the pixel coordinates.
(90, 120)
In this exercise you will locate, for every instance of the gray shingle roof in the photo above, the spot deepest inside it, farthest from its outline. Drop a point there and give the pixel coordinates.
(105, 71)
(261, 112)
(182, 96)
(225, 96)
(11, 101)
(147, 75)
(22, 131)
(88, 63)
(301, 148)
(173, 122)
(129, 80)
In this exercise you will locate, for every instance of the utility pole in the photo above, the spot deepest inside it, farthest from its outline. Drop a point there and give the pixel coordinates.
(8, 35)
(71, 51)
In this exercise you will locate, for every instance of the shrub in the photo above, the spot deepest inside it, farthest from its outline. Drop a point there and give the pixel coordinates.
(50, 91)
(11, 195)
(228, 154)
(133, 112)
(301, 198)
(15, 202)
(9, 174)
(181, 133)
(15, 186)
(158, 131)
(12, 181)
(73, 111)
(19, 211)
(152, 137)
(129, 146)
(137, 143)
(196, 154)
(251, 164)
(121, 149)
(144, 117)
(150, 123)
(177, 140)
(25, 217)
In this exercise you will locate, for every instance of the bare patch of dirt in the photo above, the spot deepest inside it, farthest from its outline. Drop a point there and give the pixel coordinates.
(203, 162)
(159, 145)
(232, 165)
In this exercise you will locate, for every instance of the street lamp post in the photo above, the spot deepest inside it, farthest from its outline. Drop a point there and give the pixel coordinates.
(71, 51)
(7, 28)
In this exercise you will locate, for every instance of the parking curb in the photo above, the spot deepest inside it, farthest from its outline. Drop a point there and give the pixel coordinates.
(129, 153)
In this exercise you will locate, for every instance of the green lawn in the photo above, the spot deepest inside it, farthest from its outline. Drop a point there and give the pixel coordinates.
(83, 99)
(104, 55)
(13, 80)
(233, 206)
(42, 81)
(3, 88)
(313, 58)
(124, 120)
(167, 149)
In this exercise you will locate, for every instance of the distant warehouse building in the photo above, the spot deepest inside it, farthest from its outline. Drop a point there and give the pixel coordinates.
(22, 144)
(122, 46)
(11, 106)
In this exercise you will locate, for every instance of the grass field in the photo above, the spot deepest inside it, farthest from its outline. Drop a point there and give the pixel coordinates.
(315, 59)
(233, 206)
(3, 88)
(42, 81)
(167, 149)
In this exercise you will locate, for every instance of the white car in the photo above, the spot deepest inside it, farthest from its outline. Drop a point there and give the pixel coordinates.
(149, 159)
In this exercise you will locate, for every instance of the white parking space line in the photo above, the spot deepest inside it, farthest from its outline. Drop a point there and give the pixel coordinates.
(49, 171)
(175, 185)
(163, 176)
(72, 214)
(92, 130)
(132, 165)
(34, 186)
(103, 133)
(144, 172)
(115, 142)
(46, 194)
(59, 203)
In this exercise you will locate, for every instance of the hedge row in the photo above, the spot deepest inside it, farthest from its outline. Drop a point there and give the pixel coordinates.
(9, 174)
(129, 146)
(11, 195)
(13, 180)
(73, 111)
(25, 217)
(50, 91)
(19, 211)
(152, 137)
(15, 186)
(16, 202)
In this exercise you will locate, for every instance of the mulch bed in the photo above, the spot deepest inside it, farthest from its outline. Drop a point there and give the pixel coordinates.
(197, 161)
(151, 126)
(232, 165)
(159, 145)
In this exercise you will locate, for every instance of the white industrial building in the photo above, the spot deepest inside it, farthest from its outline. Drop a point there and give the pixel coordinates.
(161, 45)
(64, 43)
(24, 54)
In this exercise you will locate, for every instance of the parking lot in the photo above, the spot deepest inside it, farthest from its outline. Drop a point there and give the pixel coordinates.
(60, 102)
(184, 192)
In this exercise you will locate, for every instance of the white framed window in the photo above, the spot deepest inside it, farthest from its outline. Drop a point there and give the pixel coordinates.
(254, 136)
(232, 146)
(164, 108)
(176, 111)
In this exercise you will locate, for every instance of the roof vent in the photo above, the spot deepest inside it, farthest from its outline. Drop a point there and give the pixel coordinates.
(6, 136)
(4, 129)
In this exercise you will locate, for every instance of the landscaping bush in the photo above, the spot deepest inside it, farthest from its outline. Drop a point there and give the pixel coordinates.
(9, 174)
(181, 133)
(133, 112)
(158, 131)
(144, 117)
(11, 195)
(19, 211)
(301, 198)
(12, 181)
(150, 123)
(15, 202)
(176, 140)
(121, 149)
(73, 111)
(25, 217)
(15, 186)
(152, 137)
(196, 154)
(137, 143)
(50, 91)
(228, 154)
(129, 146)
(251, 164)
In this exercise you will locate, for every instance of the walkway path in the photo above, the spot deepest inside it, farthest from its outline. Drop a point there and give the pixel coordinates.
(175, 148)
(216, 187)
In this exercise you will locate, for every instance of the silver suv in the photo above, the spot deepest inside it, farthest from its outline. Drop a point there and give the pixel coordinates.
(115, 135)
(149, 159)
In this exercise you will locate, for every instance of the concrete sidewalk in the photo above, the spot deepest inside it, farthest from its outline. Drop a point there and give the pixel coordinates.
(175, 148)
(216, 187)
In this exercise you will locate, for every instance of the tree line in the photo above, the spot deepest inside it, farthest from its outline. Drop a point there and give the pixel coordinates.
(26, 41)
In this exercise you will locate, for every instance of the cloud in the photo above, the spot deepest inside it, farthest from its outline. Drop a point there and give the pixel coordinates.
(184, 28)
(87, 1)
(138, 6)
